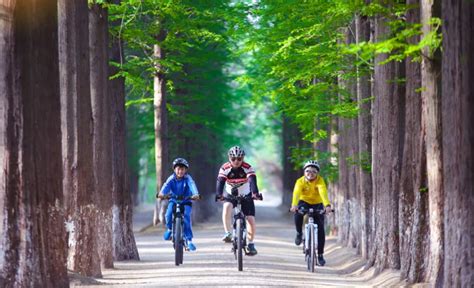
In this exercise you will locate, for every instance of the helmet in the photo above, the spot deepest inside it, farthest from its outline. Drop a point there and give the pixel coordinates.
(312, 163)
(180, 162)
(236, 151)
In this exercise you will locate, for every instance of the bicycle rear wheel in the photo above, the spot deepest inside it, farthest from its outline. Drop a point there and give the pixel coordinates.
(240, 242)
(178, 243)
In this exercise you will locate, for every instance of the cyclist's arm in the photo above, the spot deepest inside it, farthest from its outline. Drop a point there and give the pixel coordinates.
(166, 188)
(253, 184)
(220, 186)
(192, 186)
(321, 185)
(296, 193)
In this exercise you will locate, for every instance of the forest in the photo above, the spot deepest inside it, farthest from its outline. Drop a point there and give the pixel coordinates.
(98, 97)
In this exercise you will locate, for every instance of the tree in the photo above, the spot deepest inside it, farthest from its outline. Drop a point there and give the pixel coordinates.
(458, 141)
(77, 137)
(102, 139)
(33, 247)
(432, 129)
(364, 94)
(125, 247)
(386, 153)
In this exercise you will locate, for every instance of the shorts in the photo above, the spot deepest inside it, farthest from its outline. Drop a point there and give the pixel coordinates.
(248, 206)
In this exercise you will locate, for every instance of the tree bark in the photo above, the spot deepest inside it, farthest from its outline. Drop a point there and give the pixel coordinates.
(291, 138)
(125, 247)
(413, 204)
(77, 137)
(387, 155)
(101, 113)
(33, 250)
(161, 121)
(458, 141)
(431, 121)
(365, 139)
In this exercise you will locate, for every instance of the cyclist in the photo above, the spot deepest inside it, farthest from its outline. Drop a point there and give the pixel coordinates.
(181, 184)
(238, 172)
(310, 192)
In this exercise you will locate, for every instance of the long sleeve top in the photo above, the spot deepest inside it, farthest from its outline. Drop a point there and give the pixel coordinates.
(184, 187)
(311, 192)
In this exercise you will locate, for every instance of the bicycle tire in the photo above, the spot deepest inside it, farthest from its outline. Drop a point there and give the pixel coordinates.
(178, 243)
(240, 242)
(312, 252)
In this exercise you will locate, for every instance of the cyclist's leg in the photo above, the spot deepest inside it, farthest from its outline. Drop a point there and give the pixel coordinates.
(319, 219)
(299, 217)
(227, 216)
(169, 215)
(248, 208)
(188, 230)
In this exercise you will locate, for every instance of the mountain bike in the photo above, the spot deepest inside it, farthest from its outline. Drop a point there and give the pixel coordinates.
(310, 237)
(239, 237)
(179, 243)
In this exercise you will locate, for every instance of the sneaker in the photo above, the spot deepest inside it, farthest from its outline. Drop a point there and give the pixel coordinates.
(191, 246)
(298, 239)
(321, 260)
(227, 237)
(167, 234)
(251, 251)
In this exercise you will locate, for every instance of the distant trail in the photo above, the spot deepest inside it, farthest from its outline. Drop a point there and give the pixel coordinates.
(278, 263)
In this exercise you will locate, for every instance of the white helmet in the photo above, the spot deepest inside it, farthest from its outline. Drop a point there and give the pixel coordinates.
(236, 151)
(312, 163)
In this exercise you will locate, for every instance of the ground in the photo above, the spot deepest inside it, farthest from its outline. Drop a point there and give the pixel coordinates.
(278, 263)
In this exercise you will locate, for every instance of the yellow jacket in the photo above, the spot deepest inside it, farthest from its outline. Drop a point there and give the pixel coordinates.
(313, 192)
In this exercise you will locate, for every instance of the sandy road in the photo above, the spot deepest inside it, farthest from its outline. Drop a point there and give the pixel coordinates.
(278, 263)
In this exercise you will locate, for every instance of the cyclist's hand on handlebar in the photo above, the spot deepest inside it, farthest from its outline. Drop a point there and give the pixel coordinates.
(294, 208)
(196, 197)
(219, 198)
(256, 196)
(328, 209)
(159, 196)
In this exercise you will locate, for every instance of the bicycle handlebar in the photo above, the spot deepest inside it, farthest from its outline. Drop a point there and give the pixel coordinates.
(233, 197)
(303, 211)
(173, 196)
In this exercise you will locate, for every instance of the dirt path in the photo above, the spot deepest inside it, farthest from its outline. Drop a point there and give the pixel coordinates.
(278, 263)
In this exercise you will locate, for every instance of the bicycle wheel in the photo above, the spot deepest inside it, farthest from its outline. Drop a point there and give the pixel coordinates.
(240, 246)
(312, 249)
(178, 243)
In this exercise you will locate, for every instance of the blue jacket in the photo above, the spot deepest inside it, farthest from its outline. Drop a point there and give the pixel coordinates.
(183, 187)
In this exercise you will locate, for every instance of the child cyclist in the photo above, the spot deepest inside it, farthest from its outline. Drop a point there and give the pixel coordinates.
(181, 184)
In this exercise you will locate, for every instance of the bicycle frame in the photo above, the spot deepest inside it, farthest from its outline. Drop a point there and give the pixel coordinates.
(239, 237)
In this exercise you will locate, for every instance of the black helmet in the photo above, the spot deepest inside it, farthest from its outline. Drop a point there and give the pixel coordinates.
(180, 162)
(312, 163)
(236, 151)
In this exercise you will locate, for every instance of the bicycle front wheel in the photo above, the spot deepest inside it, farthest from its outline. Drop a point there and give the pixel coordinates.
(178, 242)
(312, 250)
(240, 244)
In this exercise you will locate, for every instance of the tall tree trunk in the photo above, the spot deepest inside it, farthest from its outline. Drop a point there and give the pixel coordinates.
(458, 141)
(125, 247)
(365, 139)
(291, 138)
(161, 120)
(33, 247)
(77, 138)
(413, 204)
(387, 152)
(431, 121)
(161, 128)
(101, 112)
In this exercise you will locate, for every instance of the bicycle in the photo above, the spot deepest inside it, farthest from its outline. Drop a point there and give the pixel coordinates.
(310, 237)
(239, 237)
(179, 243)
